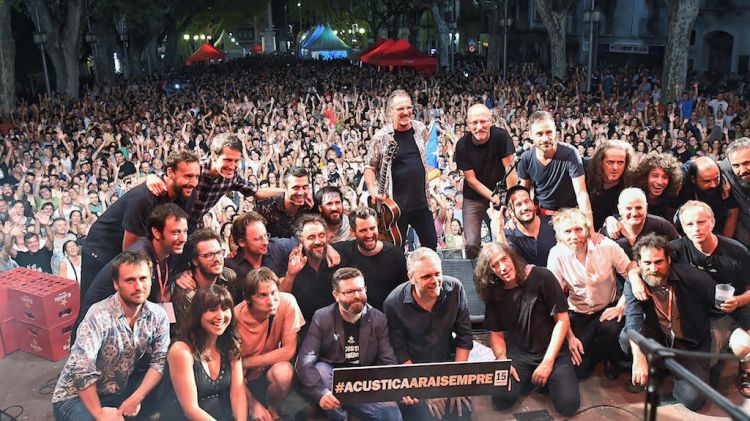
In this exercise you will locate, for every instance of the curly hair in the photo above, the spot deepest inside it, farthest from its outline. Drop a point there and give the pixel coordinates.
(196, 337)
(666, 162)
(595, 173)
(488, 284)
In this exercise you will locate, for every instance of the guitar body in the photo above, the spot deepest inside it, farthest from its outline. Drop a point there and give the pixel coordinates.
(388, 214)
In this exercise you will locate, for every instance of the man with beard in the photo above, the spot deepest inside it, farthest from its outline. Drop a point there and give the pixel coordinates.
(383, 265)
(554, 168)
(727, 261)
(330, 205)
(206, 257)
(218, 175)
(406, 174)
(167, 226)
(308, 275)
(736, 170)
(528, 234)
(484, 155)
(362, 333)
(703, 181)
(104, 376)
(256, 248)
(268, 322)
(676, 314)
(589, 271)
(607, 173)
(282, 210)
(635, 221)
(428, 318)
(125, 222)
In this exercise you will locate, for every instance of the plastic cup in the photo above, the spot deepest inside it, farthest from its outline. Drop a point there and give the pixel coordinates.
(723, 293)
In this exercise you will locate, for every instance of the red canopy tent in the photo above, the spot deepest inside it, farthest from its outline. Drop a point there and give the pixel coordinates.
(378, 42)
(207, 52)
(401, 53)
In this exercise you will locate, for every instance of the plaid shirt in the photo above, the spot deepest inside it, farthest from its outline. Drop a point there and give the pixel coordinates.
(209, 191)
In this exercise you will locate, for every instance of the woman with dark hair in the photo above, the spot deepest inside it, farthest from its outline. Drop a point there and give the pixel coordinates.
(659, 175)
(70, 266)
(204, 379)
(527, 315)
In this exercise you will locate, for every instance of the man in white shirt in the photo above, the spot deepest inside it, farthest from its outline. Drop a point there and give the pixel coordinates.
(588, 271)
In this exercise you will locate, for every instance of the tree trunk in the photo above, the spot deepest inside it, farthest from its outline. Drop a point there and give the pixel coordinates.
(496, 42)
(7, 60)
(442, 34)
(682, 14)
(105, 49)
(172, 56)
(63, 42)
(556, 21)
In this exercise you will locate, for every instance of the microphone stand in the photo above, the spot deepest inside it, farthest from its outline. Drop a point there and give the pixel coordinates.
(502, 186)
(661, 362)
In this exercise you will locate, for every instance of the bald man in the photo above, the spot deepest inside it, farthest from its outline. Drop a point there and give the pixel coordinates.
(703, 182)
(484, 154)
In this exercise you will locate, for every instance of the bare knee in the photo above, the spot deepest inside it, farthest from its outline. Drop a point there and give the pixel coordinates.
(281, 374)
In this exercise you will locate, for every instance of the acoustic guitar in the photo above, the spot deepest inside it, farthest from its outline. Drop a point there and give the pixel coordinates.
(388, 212)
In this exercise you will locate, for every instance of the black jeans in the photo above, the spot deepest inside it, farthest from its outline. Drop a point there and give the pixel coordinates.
(421, 221)
(562, 383)
(599, 339)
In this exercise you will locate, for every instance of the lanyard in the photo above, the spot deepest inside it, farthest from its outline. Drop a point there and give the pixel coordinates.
(163, 285)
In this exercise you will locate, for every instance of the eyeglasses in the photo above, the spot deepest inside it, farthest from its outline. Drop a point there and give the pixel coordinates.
(351, 292)
(475, 123)
(213, 255)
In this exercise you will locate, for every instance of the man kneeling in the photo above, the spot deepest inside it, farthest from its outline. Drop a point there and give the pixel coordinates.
(102, 378)
(360, 338)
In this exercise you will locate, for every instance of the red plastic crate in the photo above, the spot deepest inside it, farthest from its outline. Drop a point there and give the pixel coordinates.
(2, 348)
(7, 280)
(46, 301)
(9, 336)
(52, 344)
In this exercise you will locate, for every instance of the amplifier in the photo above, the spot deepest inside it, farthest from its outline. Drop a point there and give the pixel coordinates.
(463, 270)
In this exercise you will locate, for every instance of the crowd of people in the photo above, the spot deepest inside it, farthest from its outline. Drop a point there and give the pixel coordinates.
(221, 232)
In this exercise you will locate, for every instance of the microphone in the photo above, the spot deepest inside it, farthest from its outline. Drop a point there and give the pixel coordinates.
(523, 148)
(647, 345)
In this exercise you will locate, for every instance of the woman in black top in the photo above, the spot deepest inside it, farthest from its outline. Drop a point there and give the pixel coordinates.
(527, 315)
(204, 377)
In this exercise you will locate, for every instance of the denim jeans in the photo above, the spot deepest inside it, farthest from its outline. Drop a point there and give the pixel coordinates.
(74, 409)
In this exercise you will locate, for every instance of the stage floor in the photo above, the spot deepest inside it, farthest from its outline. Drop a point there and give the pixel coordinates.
(28, 381)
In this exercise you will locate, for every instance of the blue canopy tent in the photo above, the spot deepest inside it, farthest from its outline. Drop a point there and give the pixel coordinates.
(324, 44)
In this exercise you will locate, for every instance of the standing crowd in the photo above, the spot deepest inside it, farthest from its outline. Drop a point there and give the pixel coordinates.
(226, 254)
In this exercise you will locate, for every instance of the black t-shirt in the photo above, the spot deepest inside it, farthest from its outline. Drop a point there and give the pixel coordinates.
(653, 224)
(351, 343)
(553, 183)
(526, 313)
(127, 168)
(41, 260)
(128, 213)
(604, 204)
(312, 289)
(485, 160)
(711, 197)
(728, 264)
(408, 173)
(382, 272)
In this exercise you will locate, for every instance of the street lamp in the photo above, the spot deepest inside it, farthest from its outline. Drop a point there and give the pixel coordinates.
(186, 37)
(592, 17)
(40, 38)
(505, 23)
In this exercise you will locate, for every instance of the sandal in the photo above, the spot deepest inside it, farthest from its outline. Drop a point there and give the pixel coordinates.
(743, 385)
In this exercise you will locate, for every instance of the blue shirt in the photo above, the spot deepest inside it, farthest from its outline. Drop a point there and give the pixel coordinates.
(534, 250)
(553, 183)
(106, 350)
(422, 336)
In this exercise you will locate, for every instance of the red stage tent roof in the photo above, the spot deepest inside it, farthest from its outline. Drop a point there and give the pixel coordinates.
(400, 53)
(207, 52)
(378, 42)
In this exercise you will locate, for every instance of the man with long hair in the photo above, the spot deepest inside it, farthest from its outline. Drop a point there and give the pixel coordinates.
(527, 315)
(608, 171)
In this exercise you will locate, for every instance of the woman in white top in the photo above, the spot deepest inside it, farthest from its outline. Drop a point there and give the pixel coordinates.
(70, 266)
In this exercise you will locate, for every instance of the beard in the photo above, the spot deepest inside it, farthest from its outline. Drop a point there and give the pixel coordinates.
(355, 306)
(654, 280)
